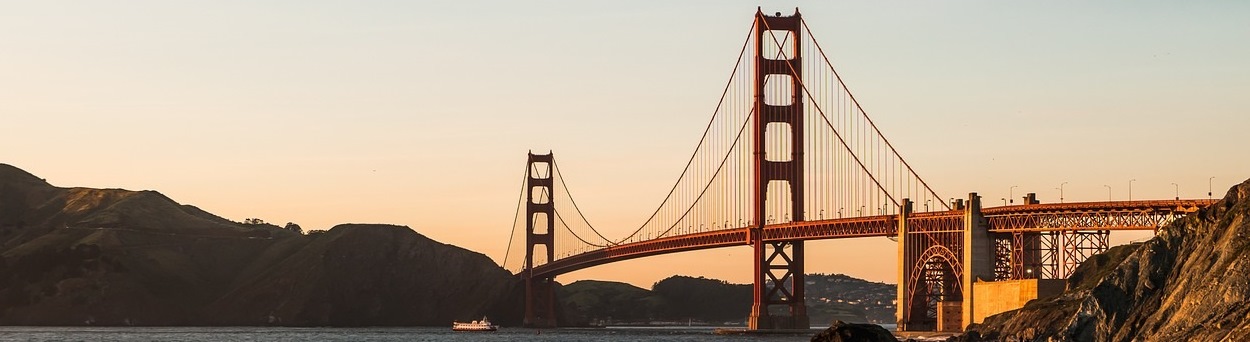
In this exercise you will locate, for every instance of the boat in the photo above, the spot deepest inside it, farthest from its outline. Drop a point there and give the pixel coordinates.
(482, 325)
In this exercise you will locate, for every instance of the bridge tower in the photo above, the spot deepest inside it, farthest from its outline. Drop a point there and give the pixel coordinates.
(540, 297)
(778, 270)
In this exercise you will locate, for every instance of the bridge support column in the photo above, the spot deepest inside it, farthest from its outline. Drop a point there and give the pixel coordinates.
(759, 318)
(540, 298)
(903, 262)
(1026, 255)
(1078, 246)
(978, 259)
(779, 281)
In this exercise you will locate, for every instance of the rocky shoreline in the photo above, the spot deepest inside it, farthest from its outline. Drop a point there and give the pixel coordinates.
(1190, 282)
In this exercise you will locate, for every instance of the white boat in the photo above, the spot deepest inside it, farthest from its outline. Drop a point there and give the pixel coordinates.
(482, 325)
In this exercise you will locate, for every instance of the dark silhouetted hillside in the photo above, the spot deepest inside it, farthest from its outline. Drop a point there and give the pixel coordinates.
(75, 256)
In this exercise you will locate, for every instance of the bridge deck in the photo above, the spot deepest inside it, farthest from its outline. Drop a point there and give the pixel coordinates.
(1116, 215)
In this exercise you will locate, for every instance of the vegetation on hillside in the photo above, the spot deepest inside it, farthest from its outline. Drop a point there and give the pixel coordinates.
(682, 299)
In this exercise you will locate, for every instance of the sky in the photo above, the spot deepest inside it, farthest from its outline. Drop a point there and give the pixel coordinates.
(421, 113)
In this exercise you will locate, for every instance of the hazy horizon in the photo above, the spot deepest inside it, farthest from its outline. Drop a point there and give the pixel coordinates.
(421, 114)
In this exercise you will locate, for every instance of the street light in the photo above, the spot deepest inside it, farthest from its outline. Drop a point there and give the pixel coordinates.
(1061, 191)
(1108, 192)
(1130, 189)
(1004, 202)
(1209, 186)
(1010, 192)
(926, 204)
(1178, 191)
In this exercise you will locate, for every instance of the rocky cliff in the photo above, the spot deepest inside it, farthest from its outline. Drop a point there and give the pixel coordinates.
(75, 256)
(1189, 283)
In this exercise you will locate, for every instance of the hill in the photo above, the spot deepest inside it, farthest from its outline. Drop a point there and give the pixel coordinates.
(681, 299)
(608, 301)
(1188, 283)
(841, 297)
(75, 256)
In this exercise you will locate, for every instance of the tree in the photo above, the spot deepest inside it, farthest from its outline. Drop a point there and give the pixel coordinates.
(291, 226)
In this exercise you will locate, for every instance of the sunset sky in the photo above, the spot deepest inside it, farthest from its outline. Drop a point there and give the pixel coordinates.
(421, 113)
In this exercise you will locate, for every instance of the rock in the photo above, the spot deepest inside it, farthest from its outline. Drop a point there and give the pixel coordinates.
(971, 336)
(841, 331)
(1187, 283)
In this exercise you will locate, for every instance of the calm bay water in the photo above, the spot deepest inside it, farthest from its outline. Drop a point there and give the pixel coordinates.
(229, 334)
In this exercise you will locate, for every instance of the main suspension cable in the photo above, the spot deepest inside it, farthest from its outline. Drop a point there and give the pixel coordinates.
(835, 132)
(714, 174)
(698, 147)
(865, 114)
(575, 207)
(520, 198)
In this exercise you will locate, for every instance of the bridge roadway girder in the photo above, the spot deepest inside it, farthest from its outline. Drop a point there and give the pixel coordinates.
(1001, 220)
(1097, 216)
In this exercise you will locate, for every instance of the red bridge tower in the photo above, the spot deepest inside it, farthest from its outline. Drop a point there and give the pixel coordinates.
(540, 297)
(778, 277)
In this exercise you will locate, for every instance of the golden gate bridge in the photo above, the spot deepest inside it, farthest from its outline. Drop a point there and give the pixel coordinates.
(788, 156)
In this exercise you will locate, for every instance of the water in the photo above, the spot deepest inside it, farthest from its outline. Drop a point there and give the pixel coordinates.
(231, 334)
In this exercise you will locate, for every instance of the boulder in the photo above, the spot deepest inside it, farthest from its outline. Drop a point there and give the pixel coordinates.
(841, 331)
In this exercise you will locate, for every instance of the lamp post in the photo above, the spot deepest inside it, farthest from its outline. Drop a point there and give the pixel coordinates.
(1209, 186)
(1178, 191)
(926, 204)
(1108, 192)
(1004, 202)
(1130, 189)
(1010, 192)
(1061, 191)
